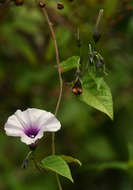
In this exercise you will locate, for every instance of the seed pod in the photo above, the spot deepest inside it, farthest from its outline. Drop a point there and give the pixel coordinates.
(19, 2)
(60, 5)
(77, 88)
(42, 4)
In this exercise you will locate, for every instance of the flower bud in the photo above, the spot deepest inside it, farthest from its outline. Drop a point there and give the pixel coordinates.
(60, 5)
(42, 4)
(77, 88)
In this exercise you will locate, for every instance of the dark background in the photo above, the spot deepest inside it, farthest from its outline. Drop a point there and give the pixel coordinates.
(29, 78)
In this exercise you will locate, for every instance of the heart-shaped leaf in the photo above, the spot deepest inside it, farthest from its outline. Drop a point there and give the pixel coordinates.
(58, 165)
(97, 94)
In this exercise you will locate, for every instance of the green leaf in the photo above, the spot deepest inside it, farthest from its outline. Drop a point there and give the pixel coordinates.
(70, 159)
(70, 63)
(58, 165)
(97, 94)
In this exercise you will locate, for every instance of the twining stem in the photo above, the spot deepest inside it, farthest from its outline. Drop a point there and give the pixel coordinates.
(60, 79)
(59, 70)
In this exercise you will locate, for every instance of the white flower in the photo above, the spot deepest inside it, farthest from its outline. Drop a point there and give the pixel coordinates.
(30, 124)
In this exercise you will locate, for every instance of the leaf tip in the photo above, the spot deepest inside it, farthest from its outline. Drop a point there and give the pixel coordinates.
(72, 180)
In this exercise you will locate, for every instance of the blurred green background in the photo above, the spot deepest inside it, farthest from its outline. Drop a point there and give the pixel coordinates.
(29, 78)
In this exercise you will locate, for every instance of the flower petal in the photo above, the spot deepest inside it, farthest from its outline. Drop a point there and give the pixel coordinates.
(22, 118)
(12, 120)
(12, 131)
(44, 120)
(27, 140)
(48, 122)
(13, 127)
(32, 115)
(39, 135)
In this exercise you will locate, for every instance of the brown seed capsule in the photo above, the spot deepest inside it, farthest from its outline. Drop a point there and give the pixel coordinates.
(77, 88)
(42, 4)
(60, 5)
(19, 2)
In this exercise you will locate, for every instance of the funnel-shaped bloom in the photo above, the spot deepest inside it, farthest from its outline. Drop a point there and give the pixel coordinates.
(30, 124)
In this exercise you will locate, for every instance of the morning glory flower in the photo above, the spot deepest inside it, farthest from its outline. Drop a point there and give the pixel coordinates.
(30, 125)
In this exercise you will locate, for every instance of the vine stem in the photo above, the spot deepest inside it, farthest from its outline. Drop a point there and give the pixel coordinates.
(59, 70)
(60, 79)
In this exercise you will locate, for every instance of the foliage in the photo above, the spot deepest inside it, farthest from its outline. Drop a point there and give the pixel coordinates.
(28, 78)
(97, 94)
(58, 165)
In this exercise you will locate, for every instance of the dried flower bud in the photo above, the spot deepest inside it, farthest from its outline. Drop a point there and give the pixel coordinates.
(77, 88)
(60, 5)
(42, 4)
